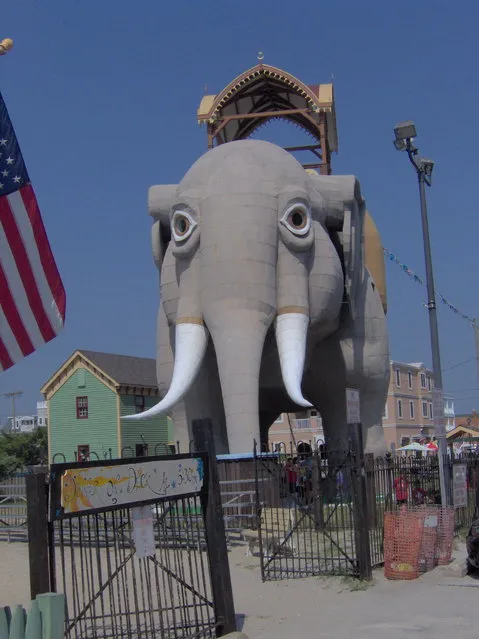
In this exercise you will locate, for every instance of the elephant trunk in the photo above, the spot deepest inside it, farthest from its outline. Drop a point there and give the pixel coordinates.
(292, 320)
(239, 350)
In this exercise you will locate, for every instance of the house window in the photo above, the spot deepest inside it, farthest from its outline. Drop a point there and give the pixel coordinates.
(399, 408)
(302, 424)
(82, 407)
(385, 414)
(411, 410)
(423, 380)
(428, 383)
(430, 410)
(424, 409)
(398, 377)
(139, 403)
(409, 380)
(405, 441)
(313, 413)
(279, 420)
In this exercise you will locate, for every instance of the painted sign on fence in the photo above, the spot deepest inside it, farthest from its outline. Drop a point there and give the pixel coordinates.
(459, 485)
(98, 487)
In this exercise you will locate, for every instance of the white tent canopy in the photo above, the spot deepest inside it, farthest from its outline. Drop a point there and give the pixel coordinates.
(414, 446)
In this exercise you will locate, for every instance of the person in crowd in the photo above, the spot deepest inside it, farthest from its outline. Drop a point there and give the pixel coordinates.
(419, 495)
(291, 475)
(401, 487)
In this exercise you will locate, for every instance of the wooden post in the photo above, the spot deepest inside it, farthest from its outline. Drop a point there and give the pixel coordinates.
(215, 533)
(360, 503)
(37, 524)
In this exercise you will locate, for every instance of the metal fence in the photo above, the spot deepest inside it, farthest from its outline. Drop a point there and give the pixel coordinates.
(321, 515)
(111, 593)
(138, 550)
(13, 508)
(311, 528)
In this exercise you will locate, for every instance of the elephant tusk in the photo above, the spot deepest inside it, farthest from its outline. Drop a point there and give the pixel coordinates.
(191, 341)
(291, 334)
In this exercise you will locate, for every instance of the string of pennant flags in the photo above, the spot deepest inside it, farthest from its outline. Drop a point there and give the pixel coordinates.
(415, 277)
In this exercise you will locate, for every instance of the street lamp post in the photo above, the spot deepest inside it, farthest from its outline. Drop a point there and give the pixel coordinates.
(405, 132)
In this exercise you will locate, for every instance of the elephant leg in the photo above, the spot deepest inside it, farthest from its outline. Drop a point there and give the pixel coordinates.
(372, 409)
(325, 384)
(205, 401)
(357, 356)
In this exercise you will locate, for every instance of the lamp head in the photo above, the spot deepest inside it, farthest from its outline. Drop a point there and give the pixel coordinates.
(405, 131)
(426, 165)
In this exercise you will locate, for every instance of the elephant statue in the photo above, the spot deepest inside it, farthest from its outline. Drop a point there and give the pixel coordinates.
(266, 303)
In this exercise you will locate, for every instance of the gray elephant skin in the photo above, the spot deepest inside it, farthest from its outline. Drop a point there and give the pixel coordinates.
(266, 305)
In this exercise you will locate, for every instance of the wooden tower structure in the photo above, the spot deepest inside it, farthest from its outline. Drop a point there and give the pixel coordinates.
(265, 93)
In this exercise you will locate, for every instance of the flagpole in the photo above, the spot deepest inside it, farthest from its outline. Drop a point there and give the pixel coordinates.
(5, 46)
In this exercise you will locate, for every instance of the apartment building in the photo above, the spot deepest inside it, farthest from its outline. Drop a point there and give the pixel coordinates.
(408, 414)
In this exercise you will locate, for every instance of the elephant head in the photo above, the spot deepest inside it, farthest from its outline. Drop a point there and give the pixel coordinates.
(247, 242)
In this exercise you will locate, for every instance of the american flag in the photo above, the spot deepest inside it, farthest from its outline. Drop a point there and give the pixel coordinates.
(31, 291)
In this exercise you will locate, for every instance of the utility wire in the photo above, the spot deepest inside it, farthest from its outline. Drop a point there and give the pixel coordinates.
(450, 368)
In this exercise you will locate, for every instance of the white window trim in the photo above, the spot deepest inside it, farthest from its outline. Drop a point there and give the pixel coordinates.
(397, 373)
(409, 379)
(411, 409)
(400, 409)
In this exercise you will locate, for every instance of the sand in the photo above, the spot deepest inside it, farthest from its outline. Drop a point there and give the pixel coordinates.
(437, 605)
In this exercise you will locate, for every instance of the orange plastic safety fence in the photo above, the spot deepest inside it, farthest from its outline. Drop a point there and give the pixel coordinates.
(403, 534)
(416, 539)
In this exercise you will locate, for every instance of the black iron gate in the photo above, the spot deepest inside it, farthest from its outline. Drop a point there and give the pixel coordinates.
(312, 514)
(306, 521)
(138, 548)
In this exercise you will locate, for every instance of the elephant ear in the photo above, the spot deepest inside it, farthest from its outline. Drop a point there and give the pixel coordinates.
(160, 202)
(343, 211)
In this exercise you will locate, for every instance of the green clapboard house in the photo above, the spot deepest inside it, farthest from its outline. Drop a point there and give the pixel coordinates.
(86, 399)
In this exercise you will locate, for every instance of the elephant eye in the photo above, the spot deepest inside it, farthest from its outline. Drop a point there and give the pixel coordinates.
(297, 219)
(182, 225)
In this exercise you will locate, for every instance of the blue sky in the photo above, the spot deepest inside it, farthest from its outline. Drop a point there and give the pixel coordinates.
(103, 96)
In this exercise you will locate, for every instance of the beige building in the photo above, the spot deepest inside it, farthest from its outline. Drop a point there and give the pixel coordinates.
(408, 414)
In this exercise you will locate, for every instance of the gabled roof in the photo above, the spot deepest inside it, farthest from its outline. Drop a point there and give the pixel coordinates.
(114, 370)
(125, 369)
(462, 430)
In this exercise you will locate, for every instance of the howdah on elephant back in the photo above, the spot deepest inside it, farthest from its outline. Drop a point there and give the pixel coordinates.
(266, 305)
